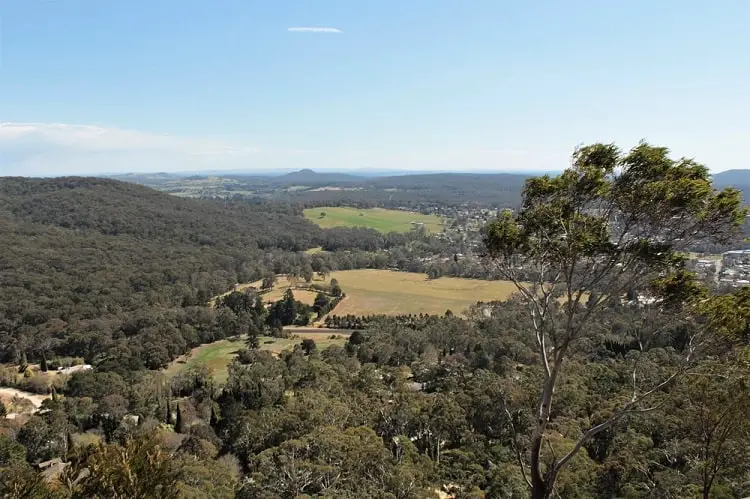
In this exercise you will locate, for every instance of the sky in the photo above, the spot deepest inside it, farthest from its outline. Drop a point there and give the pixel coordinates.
(92, 86)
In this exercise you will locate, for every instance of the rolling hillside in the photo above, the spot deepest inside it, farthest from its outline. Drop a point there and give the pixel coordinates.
(734, 178)
(308, 186)
(83, 260)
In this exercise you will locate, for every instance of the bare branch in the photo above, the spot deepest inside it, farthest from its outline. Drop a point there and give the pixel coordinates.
(537, 314)
(551, 450)
(515, 447)
(624, 411)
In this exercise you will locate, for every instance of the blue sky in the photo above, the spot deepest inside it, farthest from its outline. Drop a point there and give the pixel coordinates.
(89, 86)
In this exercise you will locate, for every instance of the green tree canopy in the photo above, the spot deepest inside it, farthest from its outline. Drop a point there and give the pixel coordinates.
(611, 222)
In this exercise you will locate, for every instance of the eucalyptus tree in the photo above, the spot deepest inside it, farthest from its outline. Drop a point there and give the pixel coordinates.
(611, 223)
(713, 404)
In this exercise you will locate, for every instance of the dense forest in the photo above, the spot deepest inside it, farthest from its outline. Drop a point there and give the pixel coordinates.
(86, 262)
(612, 372)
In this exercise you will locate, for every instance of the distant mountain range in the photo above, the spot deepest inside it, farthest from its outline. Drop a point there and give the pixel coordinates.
(739, 179)
(309, 174)
(732, 178)
(459, 185)
(311, 177)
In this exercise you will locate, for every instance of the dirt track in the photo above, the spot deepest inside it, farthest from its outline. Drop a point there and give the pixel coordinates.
(317, 331)
(7, 394)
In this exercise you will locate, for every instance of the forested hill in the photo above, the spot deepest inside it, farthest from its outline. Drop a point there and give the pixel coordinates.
(80, 257)
(739, 179)
(110, 207)
(311, 177)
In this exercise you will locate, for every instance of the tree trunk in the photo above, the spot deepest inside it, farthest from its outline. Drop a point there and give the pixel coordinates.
(540, 490)
(541, 485)
(707, 485)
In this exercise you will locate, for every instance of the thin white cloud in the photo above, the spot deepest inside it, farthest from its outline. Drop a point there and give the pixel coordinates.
(55, 149)
(314, 29)
(99, 139)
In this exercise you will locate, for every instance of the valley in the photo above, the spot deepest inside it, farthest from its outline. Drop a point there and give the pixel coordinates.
(236, 333)
(374, 250)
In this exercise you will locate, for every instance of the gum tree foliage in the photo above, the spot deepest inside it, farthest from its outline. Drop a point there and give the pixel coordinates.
(138, 468)
(713, 404)
(611, 222)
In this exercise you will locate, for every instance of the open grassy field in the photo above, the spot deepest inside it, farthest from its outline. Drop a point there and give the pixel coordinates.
(217, 355)
(393, 293)
(277, 293)
(387, 292)
(375, 218)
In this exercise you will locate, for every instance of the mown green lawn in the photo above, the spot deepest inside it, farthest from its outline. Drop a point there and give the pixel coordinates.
(374, 218)
(218, 355)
